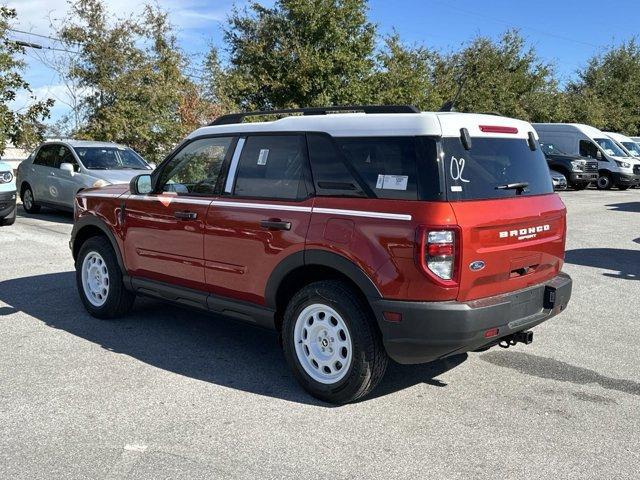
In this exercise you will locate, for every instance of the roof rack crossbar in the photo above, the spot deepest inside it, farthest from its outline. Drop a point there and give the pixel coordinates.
(239, 117)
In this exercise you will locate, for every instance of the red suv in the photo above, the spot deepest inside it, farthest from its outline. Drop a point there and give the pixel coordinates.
(388, 233)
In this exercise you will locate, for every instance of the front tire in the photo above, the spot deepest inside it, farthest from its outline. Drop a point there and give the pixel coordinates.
(99, 280)
(604, 182)
(29, 201)
(332, 344)
(9, 219)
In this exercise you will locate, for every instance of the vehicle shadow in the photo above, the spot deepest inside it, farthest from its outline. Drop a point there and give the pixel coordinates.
(47, 215)
(626, 262)
(198, 345)
(625, 207)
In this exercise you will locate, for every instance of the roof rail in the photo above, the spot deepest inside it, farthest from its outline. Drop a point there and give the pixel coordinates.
(239, 117)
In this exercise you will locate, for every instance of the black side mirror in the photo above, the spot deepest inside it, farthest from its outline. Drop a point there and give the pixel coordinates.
(141, 184)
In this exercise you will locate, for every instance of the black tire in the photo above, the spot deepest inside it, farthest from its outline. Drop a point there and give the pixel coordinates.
(119, 299)
(369, 359)
(604, 182)
(32, 207)
(9, 219)
(623, 187)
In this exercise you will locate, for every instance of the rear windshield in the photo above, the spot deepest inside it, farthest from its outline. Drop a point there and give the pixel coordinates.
(492, 168)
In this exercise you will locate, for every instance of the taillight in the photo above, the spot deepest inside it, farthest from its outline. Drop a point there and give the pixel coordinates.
(438, 253)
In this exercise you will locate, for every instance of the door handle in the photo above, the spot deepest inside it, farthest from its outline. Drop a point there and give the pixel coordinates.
(185, 215)
(275, 224)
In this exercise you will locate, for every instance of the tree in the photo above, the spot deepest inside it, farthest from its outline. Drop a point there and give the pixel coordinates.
(607, 91)
(503, 77)
(131, 70)
(404, 75)
(22, 128)
(299, 53)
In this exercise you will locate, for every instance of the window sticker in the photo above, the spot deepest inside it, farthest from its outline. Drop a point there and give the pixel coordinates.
(392, 182)
(262, 157)
(456, 188)
(456, 168)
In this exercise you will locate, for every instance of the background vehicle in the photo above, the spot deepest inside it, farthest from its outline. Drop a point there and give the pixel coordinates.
(615, 167)
(559, 180)
(57, 170)
(626, 143)
(344, 232)
(635, 139)
(578, 171)
(7, 195)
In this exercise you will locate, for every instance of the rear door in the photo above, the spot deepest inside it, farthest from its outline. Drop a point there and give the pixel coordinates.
(518, 233)
(41, 172)
(164, 231)
(262, 216)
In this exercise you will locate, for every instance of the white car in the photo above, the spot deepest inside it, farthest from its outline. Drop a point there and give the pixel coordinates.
(58, 169)
(627, 143)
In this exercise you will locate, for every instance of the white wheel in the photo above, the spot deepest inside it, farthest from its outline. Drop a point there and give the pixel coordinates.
(323, 344)
(95, 279)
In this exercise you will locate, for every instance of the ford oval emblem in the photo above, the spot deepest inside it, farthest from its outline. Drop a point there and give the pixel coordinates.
(477, 265)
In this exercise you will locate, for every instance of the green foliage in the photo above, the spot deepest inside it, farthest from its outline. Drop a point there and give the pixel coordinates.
(299, 53)
(132, 69)
(23, 128)
(607, 92)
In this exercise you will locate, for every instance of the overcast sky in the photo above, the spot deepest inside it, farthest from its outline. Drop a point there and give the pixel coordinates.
(565, 32)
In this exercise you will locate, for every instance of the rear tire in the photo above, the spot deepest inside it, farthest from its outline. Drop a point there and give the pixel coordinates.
(99, 280)
(28, 200)
(604, 182)
(332, 344)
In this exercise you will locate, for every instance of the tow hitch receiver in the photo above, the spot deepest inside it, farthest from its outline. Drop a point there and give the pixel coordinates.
(518, 337)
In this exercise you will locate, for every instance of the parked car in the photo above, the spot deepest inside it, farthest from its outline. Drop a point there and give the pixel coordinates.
(57, 170)
(626, 143)
(559, 180)
(615, 167)
(7, 195)
(635, 139)
(578, 172)
(359, 237)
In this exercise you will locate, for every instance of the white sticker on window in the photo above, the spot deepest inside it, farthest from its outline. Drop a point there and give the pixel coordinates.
(262, 157)
(456, 188)
(392, 182)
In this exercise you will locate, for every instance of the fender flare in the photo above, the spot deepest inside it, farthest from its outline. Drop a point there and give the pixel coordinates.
(91, 221)
(325, 259)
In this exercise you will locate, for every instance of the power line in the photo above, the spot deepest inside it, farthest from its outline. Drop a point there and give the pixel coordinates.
(496, 20)
(42, 36)
(40, 47)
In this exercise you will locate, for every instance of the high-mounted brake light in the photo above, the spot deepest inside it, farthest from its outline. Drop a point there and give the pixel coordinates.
(498, 129)
(438, 253)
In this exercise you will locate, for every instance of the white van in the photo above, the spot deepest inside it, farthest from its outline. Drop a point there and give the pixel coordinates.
(615, 166)
(628, 145)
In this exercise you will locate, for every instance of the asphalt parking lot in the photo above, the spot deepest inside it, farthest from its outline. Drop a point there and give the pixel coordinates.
(172, 393)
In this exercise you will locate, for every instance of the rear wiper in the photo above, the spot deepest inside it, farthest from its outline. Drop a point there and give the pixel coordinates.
(519, 187)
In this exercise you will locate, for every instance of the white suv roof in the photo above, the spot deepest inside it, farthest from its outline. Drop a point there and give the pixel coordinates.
(447, 124)
(81, 143)
(618, 137)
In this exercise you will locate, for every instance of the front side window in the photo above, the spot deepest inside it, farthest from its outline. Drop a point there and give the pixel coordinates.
(110, 158)
(272, 166)
(196, 168)
(493, 167)
(610, 147)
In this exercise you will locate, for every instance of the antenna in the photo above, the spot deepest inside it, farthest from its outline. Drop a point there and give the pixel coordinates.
(449, 105)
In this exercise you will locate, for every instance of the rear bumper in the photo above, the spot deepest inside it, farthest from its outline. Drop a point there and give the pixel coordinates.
(582, 177)
(432, 330)
(7, 203)
(625, 179)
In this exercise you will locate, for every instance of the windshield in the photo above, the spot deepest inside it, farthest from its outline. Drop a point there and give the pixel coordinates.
(111, 158)
(494, 168)
(610, 147)
(551, 149)
(633, 148)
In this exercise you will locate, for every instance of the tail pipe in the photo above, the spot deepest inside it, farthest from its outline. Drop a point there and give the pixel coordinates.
(518, 337)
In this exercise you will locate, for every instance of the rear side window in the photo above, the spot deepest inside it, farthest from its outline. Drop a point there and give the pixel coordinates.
(403, 168)
(491, 163)
(272, 166)
(46, 156)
